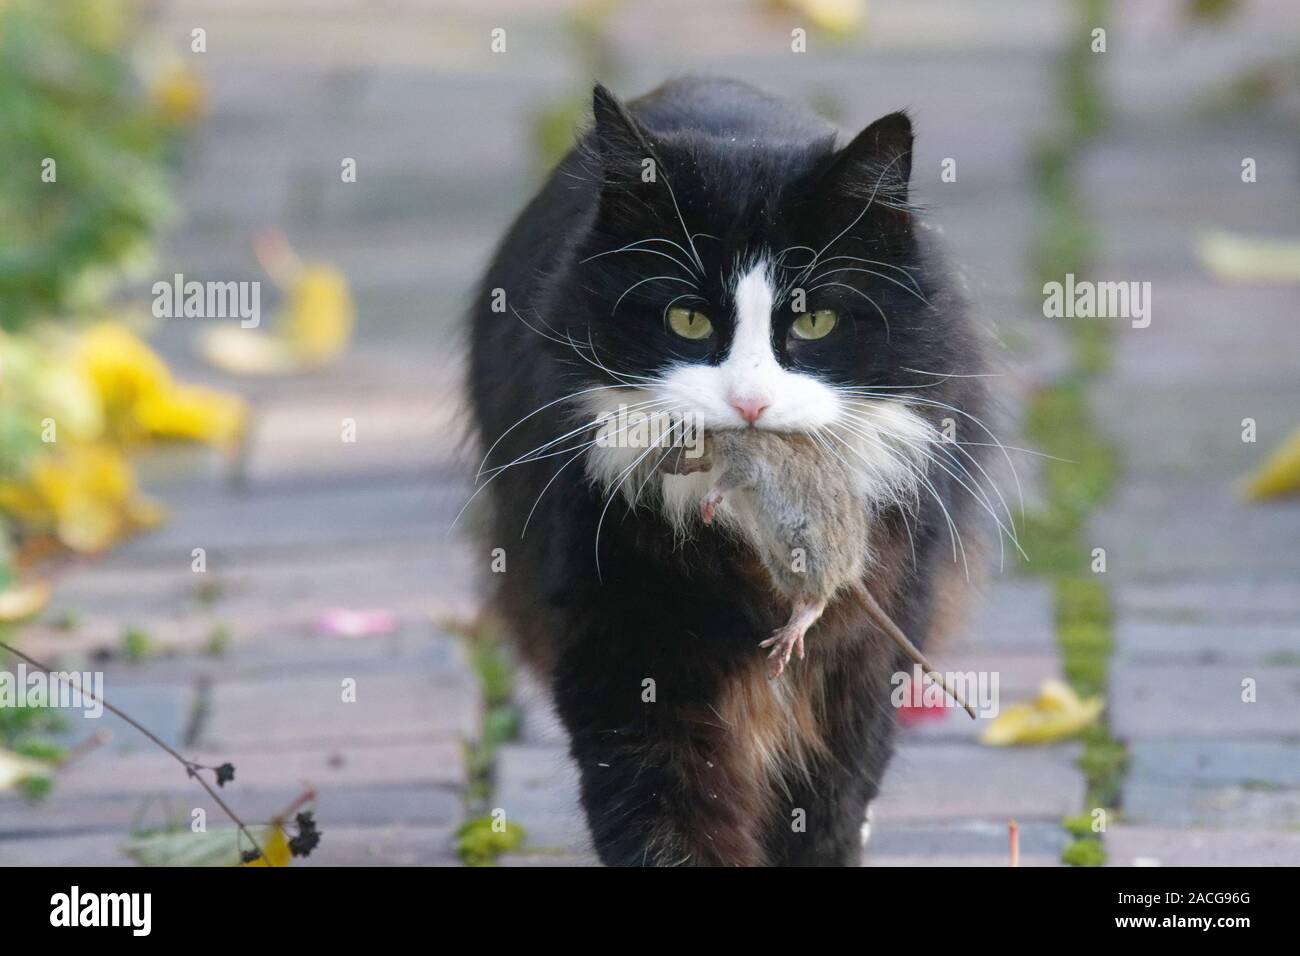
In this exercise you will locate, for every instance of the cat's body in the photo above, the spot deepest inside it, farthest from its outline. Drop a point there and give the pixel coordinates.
(644, 622)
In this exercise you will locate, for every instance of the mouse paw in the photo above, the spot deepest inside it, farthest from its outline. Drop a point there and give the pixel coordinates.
(784, 642)
(709, 506)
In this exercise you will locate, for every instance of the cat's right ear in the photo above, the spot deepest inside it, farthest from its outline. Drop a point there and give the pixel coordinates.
(620, 141)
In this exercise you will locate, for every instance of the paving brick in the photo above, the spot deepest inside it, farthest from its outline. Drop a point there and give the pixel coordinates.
(1176, 701)
(1189, 342)
(434, 763)
(539, 723)
(65, 850)
(385, 845)
(1146, 642)
(164, 708)
(1147, 534)
(975, 839)
(1189, 431)
(538, 788)
(121, 812)
(414, 645)
(939, 782)
(1267, 600)
(1213, 784)
(990, 859)
(299, 521)
(1177, 846)
(542, 859)
(395, 434)
(273, 597)
(295, 711)
(1220, 805)
(1125, 175)
(1016, 614)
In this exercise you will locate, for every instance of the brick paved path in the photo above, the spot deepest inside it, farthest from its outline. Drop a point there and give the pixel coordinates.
(441, 134)
(1207, 588)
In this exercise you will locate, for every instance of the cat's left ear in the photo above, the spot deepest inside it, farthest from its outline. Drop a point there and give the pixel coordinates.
(877, 164)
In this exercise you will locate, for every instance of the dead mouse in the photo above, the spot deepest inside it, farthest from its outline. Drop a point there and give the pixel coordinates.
(806, 522)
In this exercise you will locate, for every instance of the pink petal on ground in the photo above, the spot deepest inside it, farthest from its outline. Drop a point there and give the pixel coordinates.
(346, 622)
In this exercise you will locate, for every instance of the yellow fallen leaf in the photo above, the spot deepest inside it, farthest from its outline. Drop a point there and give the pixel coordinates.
(1056, 713)
(15, 768)
(318, 323)
(275, 850)
(123, 370)
(19, 602)
(141, 399)
(193, 413)
(312, 330)
(1280, 473)
(1236, 258)
(85, 494)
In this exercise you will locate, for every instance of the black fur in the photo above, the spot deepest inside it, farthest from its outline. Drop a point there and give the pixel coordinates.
(661, 782)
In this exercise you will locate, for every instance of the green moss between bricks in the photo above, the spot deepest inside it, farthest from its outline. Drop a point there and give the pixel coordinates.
(1081, 472)
(1078, 475)
(500, 718)
(1079, 825)
(480, 841)
(1104, 761)
(1084, 852)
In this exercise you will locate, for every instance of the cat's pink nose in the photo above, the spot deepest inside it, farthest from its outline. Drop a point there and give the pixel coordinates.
(749, 408)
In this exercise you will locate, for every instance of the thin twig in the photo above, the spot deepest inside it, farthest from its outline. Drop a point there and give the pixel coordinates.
(191, 768)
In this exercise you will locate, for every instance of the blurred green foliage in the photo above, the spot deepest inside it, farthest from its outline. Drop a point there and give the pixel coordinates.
(68, 94)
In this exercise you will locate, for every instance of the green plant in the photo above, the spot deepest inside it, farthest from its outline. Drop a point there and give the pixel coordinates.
(1084, 852)
(84, 156)
(480, 841)
(137, 646)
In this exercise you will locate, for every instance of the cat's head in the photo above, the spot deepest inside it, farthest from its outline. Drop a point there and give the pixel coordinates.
(746, 283)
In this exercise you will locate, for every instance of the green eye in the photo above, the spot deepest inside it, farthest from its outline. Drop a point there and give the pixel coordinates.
(814, 325)
(690, 324)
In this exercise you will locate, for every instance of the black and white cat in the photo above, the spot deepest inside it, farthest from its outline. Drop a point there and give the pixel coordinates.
(708, 254)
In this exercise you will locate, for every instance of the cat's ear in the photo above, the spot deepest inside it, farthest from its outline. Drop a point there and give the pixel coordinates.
(619, 138)
(628, 165)
(876, 165)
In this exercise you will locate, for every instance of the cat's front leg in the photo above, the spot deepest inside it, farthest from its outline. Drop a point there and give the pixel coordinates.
(664, 781)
